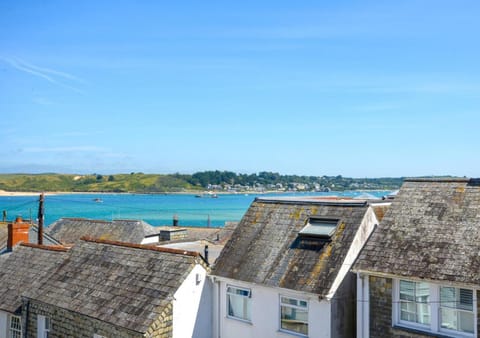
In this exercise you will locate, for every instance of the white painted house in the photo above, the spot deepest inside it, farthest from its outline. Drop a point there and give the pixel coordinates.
(285, 270)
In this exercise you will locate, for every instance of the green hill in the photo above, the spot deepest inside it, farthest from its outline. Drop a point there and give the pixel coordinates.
(216, 180)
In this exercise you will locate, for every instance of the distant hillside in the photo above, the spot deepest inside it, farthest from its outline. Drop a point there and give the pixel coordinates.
(211, 180)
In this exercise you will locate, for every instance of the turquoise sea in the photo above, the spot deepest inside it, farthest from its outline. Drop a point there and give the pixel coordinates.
(155, 209)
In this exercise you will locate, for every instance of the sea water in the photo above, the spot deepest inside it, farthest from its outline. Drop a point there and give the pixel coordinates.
(155, 209)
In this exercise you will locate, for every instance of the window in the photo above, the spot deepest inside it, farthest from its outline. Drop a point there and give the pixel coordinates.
(15, 330)
(239, 303)
(414, 302)
(294, 315)
(43, 326)
(319, 227)
(435, 308)
(456, 309)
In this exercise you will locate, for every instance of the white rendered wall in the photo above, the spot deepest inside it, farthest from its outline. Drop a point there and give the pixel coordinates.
(150, 240)
(3, 324)
(192, 306)
(364, 230)
(266, 313)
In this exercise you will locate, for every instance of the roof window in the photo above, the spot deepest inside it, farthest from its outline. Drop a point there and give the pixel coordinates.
(319, 227)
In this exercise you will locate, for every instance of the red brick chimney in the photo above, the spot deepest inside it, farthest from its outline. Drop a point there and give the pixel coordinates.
(17, 232)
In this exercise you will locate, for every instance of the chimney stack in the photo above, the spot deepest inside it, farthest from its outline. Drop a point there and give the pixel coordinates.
(17, 232)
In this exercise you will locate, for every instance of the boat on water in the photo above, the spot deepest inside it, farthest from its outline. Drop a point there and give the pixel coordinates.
(207, 195)
(98, 200)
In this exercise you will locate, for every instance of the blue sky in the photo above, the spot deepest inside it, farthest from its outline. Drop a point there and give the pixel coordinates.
(352, 88)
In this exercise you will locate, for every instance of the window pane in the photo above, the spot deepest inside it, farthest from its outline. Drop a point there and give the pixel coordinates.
(239, 305)
(15, 327)
(447, 297)
(407, 311)
(466, 322)
(456, 308)
(466, 299)
(423, 313)
(293, 319)
(407, 290)
(289, 301)
(415, 302)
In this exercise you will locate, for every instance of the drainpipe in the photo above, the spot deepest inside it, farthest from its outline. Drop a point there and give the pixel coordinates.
(205, 254)
(363, 306)
(359, 306)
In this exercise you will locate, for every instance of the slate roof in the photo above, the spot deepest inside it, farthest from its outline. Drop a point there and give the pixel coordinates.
(22, 268)
(431, 231)
(126, 285)
(265, 247)
(70, 230)
(3, 235)
(32, 236)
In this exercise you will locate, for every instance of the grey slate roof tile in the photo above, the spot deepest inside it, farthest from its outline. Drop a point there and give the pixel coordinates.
(265, 249)
(122, 284)
(431, 231)
(70, 230)
(23, 269)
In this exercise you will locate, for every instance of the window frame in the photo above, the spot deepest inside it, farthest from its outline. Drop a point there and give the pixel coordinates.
(305, 309)
(46, 326)
(417, 324)
(329, 226)
(435, 326)
(16, 330)
(246, 302)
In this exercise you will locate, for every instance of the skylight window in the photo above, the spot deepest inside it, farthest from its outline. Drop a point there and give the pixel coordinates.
(319, 227)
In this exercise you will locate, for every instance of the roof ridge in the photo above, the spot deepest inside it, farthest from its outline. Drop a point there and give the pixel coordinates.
(315, 201)
(86, 219)
(438, 179)
(140, 246)
(60, 248)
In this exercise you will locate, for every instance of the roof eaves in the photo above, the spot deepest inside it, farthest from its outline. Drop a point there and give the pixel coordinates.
(319, 202)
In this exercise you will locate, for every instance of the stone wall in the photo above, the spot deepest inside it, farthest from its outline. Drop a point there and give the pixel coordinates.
(70, 324)
(381, 311)
(173, 234)
(163, 326)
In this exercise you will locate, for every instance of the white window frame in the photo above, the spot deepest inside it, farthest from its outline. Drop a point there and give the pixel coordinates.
(292, 306)
(435, 316)
(44, 326)
(14, 331)
(246, 302)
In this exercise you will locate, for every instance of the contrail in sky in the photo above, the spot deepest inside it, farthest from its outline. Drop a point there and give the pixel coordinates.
(44, 73)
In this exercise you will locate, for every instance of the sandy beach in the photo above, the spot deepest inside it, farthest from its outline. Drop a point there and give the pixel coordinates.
(23, 193)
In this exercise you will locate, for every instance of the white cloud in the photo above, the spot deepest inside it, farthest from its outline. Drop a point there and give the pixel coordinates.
(65, 149)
